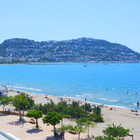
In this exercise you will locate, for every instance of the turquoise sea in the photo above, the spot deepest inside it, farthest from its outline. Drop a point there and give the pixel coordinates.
(111, 84)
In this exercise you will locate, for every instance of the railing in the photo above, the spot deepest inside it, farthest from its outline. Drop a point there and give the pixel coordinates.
(11, 113)
(8, 136)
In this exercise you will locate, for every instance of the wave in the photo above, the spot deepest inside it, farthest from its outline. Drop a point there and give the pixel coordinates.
(79, 95)
(25, 88)
(126, 101)
(96, 103)
(106, 99)
(135, 104)
(85, 95)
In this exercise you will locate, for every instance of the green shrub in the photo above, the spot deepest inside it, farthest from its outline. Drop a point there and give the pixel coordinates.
(116, 131)
(106, 138)
(96, 117)
(87, 107)
(97, 110)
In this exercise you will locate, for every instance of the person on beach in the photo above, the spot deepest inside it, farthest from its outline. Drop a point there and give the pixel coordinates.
(85, 99)
(138, 104)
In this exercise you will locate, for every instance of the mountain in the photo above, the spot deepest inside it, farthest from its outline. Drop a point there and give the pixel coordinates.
(81, 50)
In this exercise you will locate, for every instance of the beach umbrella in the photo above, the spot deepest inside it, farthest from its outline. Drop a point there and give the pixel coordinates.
(47, 96)
(110, 107)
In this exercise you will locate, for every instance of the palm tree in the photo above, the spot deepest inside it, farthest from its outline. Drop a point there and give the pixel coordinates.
(78, 129)
(89, 124)
(85, 122)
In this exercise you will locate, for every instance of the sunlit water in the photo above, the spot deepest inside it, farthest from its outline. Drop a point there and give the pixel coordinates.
(111, 84)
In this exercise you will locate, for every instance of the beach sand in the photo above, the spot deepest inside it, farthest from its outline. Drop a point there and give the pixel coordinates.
(117, 116)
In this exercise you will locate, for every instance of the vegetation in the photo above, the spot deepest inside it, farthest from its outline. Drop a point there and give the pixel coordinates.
(97, 110)
(50, 107)
(35, 114)
(106, 138)
(81, 49)
(62, 108)
(63, 128)
(5, 101)
(96, 117)
(87, 107)
(77, 129)
(81, 125)
(53, 118)
(74, 110)
(114, 133)
(17, 61)
(85, 122)
(22, 102)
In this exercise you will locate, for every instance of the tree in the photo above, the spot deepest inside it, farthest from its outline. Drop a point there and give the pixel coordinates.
(62, 107)
(85, 122)
(75, 104)
(76, 112)
(62, 130)
(97, 110)
(116, 131)
(31, 102)
(81, 125)
(87, 107)
(53, 118)
(78, 129)
(106, 138)
(96, 117)
(49, 107)
(22, 102)
(35, 114)
(5, 101)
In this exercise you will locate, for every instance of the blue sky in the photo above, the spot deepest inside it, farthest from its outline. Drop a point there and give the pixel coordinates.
(113, 20)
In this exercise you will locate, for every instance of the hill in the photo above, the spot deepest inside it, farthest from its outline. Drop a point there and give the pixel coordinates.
(77, 50)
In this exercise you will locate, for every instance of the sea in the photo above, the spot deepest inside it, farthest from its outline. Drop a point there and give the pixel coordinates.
(116, 84)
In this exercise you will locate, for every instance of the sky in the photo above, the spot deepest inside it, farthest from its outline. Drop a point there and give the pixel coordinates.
(42, 20)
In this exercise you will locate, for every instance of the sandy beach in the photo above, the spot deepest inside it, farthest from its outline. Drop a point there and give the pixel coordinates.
(26, 131)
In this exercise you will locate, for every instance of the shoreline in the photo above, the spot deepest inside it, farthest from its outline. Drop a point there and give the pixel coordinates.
(67, 98)
(86, 62)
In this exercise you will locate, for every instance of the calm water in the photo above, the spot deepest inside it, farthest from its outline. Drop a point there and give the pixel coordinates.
(112, 84)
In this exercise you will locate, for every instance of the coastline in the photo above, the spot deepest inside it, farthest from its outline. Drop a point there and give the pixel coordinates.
(56, 99)
(67, 98)
(64, 62)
